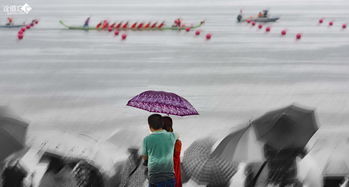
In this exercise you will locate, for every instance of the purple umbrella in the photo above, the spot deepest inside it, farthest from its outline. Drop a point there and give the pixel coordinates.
(163, 102)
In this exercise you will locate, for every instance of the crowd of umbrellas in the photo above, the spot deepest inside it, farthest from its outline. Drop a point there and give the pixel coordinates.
(277, 135)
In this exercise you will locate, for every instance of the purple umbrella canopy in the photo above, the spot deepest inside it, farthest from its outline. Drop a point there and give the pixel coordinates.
(163, 102)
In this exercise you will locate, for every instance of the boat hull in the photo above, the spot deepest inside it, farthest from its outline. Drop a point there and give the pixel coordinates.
(130, 29)
(262, 20)
(11, 26)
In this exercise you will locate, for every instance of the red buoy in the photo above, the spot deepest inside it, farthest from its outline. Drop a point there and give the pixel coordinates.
(330, 23)
(124, 36)
(283, 32)
(208, 36)
(253, 23)
(344, 26)
(110, 29)
(20, 32)
(321, 21)
(298, 36)
(23, 29)
(20, 36)
(248, 21)
(36, 22)
(116, 33)
(267, 29)
(187, 29)
(260, 26)
(27, 27)
(32, 24)
(197, 33)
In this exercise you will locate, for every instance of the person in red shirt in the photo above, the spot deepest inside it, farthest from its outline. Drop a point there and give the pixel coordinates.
(167, 122)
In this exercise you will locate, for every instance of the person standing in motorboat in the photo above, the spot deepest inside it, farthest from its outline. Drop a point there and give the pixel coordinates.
(239, 18)
(265, 13)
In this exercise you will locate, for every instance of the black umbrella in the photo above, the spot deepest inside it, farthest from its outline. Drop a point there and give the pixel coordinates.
(12, 133)
(289, 127)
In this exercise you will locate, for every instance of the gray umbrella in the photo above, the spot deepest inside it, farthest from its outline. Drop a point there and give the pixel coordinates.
(214, 171)
(240, 146)
(197, 153)
(203, 168)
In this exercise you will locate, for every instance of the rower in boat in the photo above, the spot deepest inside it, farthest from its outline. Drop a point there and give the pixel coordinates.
(161, 25)
(9, 21)
(98, 26)
(87, 22)
(125, 26)
(154, 25)
(134, 25)
(178, 22)
(118, 26)
(105, 24)
(140, 26)
(147, 25)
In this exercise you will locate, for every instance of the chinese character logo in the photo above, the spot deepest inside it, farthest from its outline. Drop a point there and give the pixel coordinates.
(26, 8)
(17, 9)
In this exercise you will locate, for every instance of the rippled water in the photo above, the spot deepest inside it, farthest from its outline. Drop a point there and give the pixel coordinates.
(80, 81)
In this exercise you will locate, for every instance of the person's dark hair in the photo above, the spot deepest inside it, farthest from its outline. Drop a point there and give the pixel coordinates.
(155, 121)
(55, 165)
(167, 122)
(302, 152)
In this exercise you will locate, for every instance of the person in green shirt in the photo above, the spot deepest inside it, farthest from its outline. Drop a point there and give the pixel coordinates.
(157, 151)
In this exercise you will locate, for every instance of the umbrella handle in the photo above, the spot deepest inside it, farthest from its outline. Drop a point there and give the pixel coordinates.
(254, 181)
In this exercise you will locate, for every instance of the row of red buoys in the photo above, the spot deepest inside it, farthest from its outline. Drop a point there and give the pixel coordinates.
(268, 29)
(123, 36)
(20, 34)
(208, 36)
(331, 23)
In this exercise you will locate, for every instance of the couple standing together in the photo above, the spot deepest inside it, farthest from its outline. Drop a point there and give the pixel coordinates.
(161, 153)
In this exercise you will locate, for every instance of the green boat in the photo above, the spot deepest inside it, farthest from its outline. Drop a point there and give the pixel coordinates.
(136, 29)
